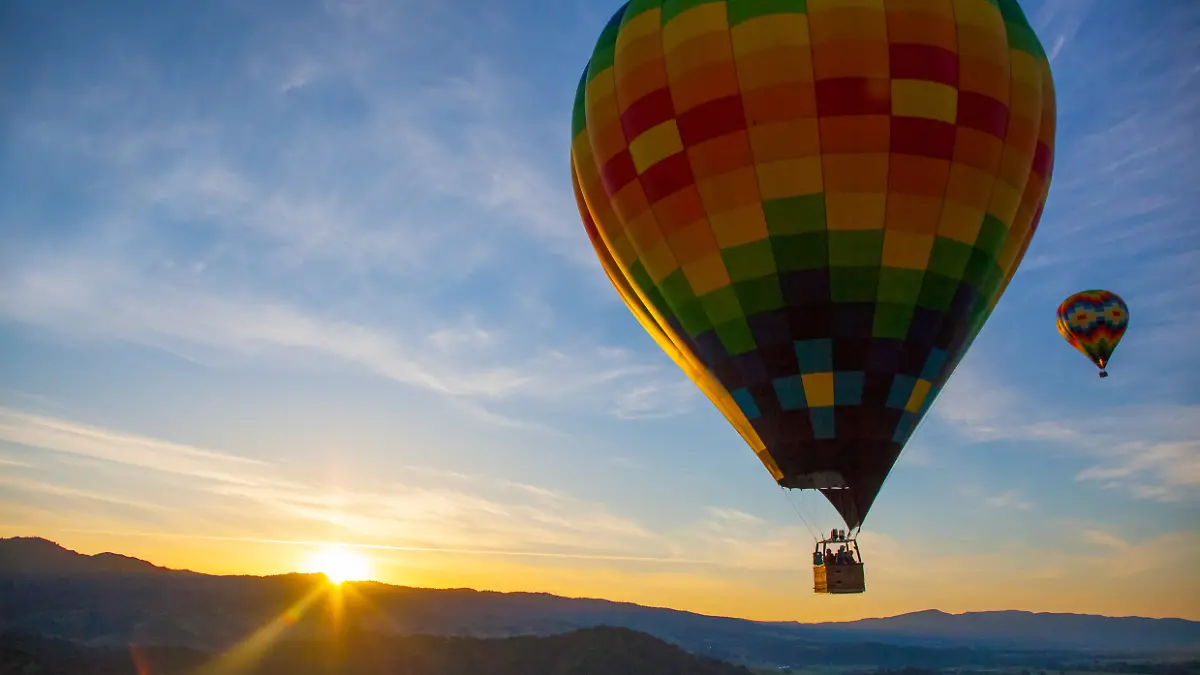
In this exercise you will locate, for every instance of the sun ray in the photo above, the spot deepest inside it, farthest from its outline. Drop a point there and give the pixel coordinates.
(242, 657)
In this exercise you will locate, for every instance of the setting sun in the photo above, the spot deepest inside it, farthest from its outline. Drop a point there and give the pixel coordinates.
(339, 565)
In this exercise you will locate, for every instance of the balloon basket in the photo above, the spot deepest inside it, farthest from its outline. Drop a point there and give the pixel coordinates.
(839, 579)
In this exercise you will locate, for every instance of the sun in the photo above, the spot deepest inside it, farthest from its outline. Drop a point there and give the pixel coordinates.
(339, 564)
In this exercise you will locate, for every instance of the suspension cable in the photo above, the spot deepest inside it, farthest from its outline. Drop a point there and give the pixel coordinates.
(811, 531)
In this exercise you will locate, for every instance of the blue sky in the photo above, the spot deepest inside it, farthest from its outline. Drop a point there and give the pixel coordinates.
(294, 272)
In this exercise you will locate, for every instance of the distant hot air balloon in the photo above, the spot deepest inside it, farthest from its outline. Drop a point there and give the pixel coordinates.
(1094, 322)
(813, 207)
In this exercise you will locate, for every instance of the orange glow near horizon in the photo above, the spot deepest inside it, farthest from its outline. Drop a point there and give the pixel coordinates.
(895, 585)
(339, 564)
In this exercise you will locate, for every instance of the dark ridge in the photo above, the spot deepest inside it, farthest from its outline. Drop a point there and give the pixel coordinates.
(34, 555)
(583, 652)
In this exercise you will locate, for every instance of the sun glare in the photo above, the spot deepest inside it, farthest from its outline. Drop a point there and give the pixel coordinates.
(339, 565)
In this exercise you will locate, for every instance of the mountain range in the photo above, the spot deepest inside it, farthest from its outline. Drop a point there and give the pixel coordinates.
(583, 652)
(114, 600)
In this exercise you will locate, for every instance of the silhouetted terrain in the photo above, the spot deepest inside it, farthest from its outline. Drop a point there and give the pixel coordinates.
(1032, 630)
(1090, 668)
(594, 651)
(109, 600)
(31, 555)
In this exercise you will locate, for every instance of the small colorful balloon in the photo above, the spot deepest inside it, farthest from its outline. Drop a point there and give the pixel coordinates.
(1094, 323)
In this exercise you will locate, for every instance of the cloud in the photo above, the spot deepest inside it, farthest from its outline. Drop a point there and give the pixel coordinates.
(465, 360)
(1104, 539)
(658, 399)
(316, 200)
(726, 516)
(37, 431)
(420, 176)
(35, 486)
(1148, 451)
(475, 479)
(420, 509)
(416, 507)
(979, 404)
(439, 517)
(1057, 23)
(16, 463)
(1120, 211)
(626, 462)
(750, 546)
(1125, 166)
(1009, 500)
(1124, 558)
(1158, 471)
(471, 512)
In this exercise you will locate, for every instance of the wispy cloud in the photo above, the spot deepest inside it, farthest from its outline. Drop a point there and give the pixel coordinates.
(4, 461)
(1104, 539)
(1121, 207)
(1161, 471)
(1058, 23)
(980, 404)
(221, 221)
(369, 190)
(1117, 562)
(35, 486)
(1125, 167)
(659, 398)
(1146, 451)
(426, 510)
(478, 512)
(458, 360)
(726, 516)
(443, 517)
(420, 508)
(47, 433)
(1009, 500)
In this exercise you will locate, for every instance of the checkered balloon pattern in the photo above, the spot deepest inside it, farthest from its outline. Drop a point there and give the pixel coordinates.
(814, 205)
(1094, 323)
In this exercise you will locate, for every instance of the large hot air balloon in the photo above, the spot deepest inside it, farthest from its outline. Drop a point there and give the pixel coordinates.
(1094, 322)
(813, 207)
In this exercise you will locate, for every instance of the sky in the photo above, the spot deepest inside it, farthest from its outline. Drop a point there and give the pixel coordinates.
(277, 274)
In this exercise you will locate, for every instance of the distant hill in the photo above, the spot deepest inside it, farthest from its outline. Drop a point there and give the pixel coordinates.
(94, 600)
(585, 652)
(1014, 628)
(33, 555)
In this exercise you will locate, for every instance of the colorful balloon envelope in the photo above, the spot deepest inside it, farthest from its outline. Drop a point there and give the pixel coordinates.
(1094, 323)
(814, 205)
